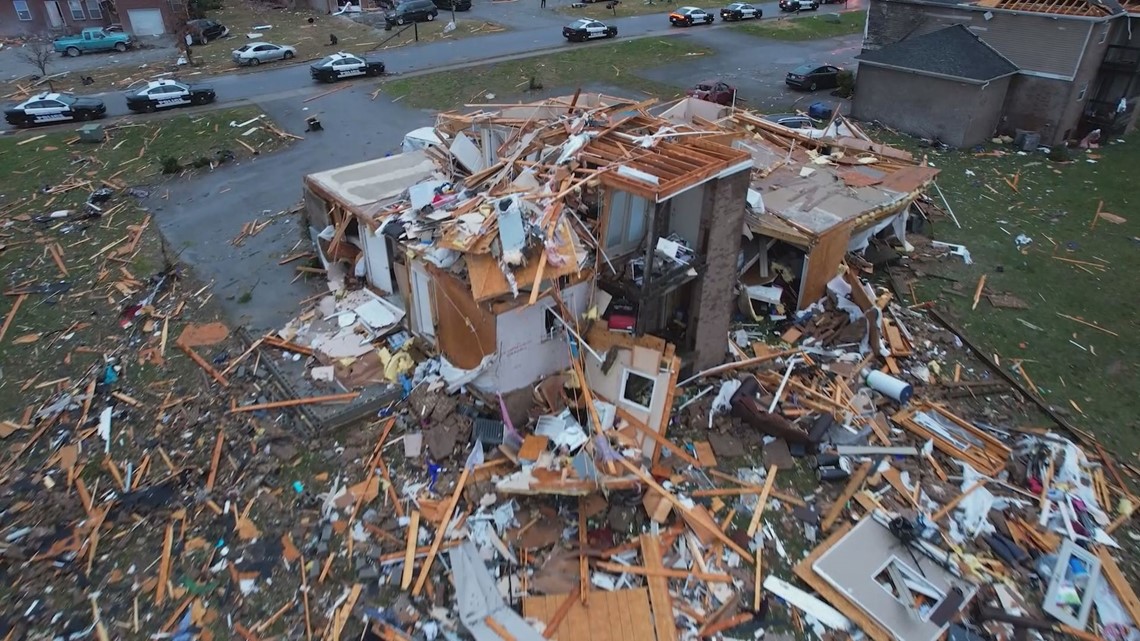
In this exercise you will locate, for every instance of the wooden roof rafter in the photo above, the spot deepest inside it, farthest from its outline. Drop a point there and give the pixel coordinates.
(1083, 8)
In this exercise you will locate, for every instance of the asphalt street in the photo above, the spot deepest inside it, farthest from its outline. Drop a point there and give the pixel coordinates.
(534, 31)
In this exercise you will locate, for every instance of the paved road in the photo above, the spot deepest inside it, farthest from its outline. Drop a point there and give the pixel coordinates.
(283, 81)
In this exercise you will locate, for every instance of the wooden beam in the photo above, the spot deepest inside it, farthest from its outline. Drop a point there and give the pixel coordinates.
(662, 572)
(659, 598)
(410, 551)
(311, 400)
(761, 501)
(438, 540)
(945, 509)
(657, 438)
(852, 487)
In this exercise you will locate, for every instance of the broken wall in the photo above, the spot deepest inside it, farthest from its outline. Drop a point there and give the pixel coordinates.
(713, 300)
(465, 332)
(632, 361)
(527, 353)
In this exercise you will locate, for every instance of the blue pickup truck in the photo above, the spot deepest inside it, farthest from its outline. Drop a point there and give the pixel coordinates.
(93, 39)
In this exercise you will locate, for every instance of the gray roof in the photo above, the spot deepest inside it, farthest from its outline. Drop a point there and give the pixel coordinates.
(953, 52)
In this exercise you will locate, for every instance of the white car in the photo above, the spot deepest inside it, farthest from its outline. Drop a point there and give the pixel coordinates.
(256, 53)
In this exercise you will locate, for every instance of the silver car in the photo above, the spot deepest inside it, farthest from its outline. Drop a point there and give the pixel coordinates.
(259, 52)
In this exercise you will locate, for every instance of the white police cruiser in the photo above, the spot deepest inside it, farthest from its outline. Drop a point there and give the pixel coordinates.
(48, 108)
(342, 65)
(167, 94)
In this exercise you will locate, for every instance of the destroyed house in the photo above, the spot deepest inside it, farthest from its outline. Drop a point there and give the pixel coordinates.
(511, 238)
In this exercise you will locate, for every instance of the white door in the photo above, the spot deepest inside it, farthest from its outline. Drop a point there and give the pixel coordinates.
(421, 302)
(146, 22)
(55, 16)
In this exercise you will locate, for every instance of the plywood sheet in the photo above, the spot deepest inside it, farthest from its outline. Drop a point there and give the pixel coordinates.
(465, 331)
(621, 615)
(487, 279)
(823, 263)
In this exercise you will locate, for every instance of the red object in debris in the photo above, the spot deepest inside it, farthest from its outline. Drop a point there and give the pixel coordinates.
(622, 323)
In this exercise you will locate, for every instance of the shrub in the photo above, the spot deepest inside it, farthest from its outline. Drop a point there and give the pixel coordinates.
(846, 82)
(170, 165)
(1060, 153)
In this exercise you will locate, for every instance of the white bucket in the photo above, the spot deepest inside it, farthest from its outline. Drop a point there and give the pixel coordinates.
(890, 386)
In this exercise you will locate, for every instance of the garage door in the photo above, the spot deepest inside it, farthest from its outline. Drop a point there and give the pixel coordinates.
(146, 22)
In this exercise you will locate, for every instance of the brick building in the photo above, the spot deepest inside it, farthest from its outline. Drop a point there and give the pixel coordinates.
(51, 18)
(1076, 62)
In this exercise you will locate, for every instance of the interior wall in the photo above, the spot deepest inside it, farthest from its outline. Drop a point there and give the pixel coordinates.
(525, 353)
(608, 386)
(465, 332)
(376, 261)
(685, 219)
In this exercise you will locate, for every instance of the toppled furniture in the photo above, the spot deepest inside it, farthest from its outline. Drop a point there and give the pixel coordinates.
(746, 406)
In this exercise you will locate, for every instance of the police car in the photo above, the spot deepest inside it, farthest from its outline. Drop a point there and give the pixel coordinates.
(344, 65)
(585, 29)
(47, 108)
(167, 94)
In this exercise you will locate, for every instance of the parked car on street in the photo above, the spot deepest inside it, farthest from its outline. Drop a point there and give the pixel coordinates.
(256, 53)
(587, 29)
(411, 11)
(48, 108)
(203, 30)
(716, 91)
(740, 11)
(342, 65)
(446, 5)
(167, 94)
(813, 76)
(799, 5)
(92, 39)
(689, 16)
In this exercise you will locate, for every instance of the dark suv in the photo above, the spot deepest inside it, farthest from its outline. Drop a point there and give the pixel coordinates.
(412, 11)
(460, 5)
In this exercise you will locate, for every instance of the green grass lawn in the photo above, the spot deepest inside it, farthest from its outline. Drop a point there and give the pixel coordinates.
(816, 27)
(51, 338)
(626, 8)
(1070, 267)
(599, 64)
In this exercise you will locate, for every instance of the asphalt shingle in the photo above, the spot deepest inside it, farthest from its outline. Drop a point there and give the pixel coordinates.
(954, 51)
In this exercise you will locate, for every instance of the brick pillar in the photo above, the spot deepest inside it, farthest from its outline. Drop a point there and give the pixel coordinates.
(713, 300)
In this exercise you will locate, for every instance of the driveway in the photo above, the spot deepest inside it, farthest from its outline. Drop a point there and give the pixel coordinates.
(759, 76)
(150, 50)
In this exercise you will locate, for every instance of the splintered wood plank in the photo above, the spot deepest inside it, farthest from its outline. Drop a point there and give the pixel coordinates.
(705, 453)
(637, 608)
(600, 611)
(853, 486)
(1119, 583)
(659, 599)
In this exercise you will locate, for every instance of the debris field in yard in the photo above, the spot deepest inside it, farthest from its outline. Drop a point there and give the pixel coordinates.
(642, 388)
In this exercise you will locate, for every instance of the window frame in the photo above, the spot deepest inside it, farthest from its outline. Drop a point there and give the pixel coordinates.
(94, 10)
(622, 216)
(72, 5)
(625, 375)
(25, 14)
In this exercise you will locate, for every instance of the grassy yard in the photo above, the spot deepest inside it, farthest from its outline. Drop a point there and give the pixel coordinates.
(600, 64)
(104, 260)
(798, 28)
(1069, 265)
(625, 8)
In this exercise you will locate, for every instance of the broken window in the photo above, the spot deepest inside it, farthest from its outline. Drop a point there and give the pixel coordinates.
(1076, 572)
(637, 389)
(626, 223)
(911, 589)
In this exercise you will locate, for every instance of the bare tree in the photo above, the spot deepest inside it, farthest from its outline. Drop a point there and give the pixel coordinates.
(39, 53)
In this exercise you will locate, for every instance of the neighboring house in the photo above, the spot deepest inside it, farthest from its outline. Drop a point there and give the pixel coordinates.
(1075, 58)
(54, 17)
(948, 84)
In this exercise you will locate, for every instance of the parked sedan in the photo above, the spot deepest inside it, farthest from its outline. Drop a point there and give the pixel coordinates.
(812, 76)
(740, 11)
(799, 5)
(689, 16)
(587, 29)
(204, 30)
(48, 108)
(716, 91)
(257, 53)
